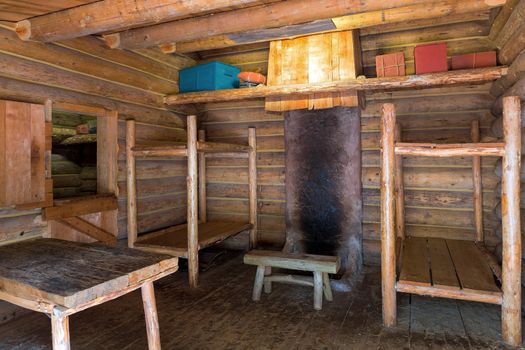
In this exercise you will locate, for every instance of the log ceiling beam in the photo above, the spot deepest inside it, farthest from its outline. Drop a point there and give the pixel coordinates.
(459, 77)
(444, 9)
(339, 15)
(111, 15)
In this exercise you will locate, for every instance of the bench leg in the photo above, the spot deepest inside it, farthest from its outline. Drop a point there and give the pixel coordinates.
(267, 283)
(258, 285)
(327, 288)
(60, 330)
(318, 290)
(152, 320)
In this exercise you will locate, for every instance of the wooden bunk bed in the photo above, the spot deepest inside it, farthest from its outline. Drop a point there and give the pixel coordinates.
(198, 233)
(451, 268)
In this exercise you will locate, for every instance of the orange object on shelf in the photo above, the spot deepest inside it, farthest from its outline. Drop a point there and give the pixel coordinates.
(252, 77)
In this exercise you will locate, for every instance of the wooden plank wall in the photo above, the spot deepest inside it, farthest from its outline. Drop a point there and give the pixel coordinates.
(439, 192)
(84, 71)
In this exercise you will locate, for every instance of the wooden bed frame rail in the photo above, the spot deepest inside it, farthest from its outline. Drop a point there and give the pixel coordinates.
(196, 150)
(392, 214)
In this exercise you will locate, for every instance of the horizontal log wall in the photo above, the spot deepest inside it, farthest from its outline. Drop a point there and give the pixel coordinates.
(84, 71)
(439, 199)
(161, 182)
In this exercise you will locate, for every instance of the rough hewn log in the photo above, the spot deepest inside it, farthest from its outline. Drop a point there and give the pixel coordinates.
(103, 16)
(131, 183)
(513, 24)
(518, 89)
(193, 206)
(450, 150)
(471, 76)
(513, 47)
(388, 234)
(273, 15)
(511, 235)
(515, 73)
(477, 185)
(389, 16)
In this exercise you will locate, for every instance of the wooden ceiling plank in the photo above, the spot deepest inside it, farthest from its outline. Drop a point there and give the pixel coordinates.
(109, 15)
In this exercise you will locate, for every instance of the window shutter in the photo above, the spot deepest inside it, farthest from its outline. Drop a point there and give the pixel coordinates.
(22, 154)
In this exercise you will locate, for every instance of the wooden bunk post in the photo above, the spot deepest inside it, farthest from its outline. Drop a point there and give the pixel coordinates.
(252, 184)
(511, 234)
(60, 329)
(399, 189)
(150, 314)
(202, 180)
(388, 236)
(476, 184)
(193, 224)
(131, 183)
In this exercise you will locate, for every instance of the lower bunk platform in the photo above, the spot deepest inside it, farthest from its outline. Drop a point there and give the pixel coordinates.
(174, 240)
(449, 268)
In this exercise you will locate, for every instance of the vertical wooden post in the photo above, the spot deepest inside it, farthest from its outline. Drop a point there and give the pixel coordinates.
(150, 313)
(511, 234)
(193, 224)
(60, 330)
(476, 184)
(107, 165)
(399, 189)
(252, 184)
(202, 180)
(388, 236)
(131, 183)
(258, 284)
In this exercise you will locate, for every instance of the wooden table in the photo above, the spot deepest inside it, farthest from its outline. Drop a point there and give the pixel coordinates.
(60, 278)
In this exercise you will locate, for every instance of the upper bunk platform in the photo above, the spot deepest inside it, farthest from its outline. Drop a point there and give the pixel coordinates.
(174, 240)
(448, 268)
(458, 77)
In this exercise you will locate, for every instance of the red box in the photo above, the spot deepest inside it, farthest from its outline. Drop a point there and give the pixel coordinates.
(391, 65)
(431, 58)
(474, 60)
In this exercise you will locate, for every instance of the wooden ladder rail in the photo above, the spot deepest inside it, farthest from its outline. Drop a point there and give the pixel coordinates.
(196, 185)
(510, 151)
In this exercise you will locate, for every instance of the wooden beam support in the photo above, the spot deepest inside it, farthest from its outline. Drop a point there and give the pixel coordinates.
(104, 16)
(131, 182)
(159, 151)
(150, 313)
(193, 205)
(511, 236)
(252, 185)
(399, 189)
(450, 150)
(469, 76)
(202, 180)
(388, 234)
(477, 184)
(443, 292)
(388, 16)
(203, 146)
(284, 13)
(67, 208)
(90, 230)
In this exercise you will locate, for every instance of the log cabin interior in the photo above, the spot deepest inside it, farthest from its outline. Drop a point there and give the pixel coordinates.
(164, 162)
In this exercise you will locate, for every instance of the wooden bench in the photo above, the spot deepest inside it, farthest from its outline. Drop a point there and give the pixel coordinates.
(320, 265)
(60, 278)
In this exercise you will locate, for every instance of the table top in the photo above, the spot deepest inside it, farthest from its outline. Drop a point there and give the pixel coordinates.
(71, 274)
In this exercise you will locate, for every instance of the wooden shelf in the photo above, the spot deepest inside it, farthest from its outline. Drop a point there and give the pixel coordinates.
(469, 76)
(448, 268)
(450, 150)
(174, 240)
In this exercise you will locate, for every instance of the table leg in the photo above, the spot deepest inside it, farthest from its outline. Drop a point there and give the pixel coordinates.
(152, 320)
(60, 330)
(318, 290)
(258, 284)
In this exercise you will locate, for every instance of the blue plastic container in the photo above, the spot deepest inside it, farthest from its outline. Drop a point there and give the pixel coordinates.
(208, 76)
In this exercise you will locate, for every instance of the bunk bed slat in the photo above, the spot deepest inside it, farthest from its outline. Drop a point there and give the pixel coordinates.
(414, 267)
(472, 269)
(441, 265)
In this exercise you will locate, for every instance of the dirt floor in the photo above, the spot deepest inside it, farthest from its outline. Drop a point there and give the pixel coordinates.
(221, 315)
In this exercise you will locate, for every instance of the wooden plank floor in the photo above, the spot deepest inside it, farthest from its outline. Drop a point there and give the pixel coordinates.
(221, 315)
(450, 264)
